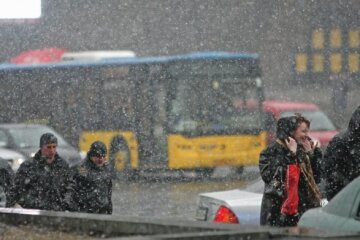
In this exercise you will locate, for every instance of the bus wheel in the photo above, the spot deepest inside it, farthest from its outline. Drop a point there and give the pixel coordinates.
(204, 172)
(120, 159)
(240, 170)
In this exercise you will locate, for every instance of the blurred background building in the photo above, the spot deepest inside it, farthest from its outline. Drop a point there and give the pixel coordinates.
(301, 43)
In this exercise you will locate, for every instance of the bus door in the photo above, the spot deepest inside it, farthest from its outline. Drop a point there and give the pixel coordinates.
(151, 103)
(147, 99)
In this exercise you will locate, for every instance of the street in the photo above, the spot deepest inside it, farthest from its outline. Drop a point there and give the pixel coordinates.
(172, 199)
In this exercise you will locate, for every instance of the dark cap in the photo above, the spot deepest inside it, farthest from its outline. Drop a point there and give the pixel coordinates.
(97, 148)
(48, 138)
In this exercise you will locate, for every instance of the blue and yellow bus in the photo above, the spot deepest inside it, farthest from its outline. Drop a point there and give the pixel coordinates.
(154, 113)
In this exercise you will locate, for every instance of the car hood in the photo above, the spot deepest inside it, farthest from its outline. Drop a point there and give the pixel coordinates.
(10, 154)
(235, 197)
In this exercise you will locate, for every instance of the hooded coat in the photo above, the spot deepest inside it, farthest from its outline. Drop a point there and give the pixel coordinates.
(341, 162)
(6, 181)
(277, 156)
(276, 161)
(39, 185)
(91, 188)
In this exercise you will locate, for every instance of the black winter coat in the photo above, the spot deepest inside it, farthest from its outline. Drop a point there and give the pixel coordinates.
(6, 180)
(92, 188)
(342, 157)
(39, 185)
(274, 156)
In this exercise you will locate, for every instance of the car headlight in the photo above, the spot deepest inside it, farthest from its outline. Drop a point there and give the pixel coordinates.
(82, 154)
(16, 163)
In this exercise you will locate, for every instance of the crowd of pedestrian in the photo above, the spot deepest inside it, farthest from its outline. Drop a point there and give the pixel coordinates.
(46, 182)
(293, 166)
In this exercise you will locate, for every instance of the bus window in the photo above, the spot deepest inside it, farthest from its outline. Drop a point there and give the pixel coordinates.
(185, 112)
(204, 100)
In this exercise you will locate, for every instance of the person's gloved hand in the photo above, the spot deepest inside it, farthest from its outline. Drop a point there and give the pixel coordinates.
(288, 220)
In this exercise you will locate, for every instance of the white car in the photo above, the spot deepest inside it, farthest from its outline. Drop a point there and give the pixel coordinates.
(341, 215)
(25, 138)
(13, 158)
(240, 206)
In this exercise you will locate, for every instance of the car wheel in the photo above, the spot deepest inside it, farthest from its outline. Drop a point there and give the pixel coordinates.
(204, 172)
(240, 170)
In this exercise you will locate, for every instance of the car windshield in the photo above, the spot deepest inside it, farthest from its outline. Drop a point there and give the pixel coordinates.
(29, 137)
(319, 121)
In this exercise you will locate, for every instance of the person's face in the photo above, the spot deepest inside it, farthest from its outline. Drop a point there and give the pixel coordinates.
(99, 160)
(301, 133)
(49, 151)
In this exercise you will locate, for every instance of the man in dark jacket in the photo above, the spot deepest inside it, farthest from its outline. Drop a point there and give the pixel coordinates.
(6, 181)
(41, 182)
(91, 182)
(341, 162)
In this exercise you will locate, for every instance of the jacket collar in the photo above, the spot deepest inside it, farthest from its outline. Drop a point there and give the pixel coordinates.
(42, 161)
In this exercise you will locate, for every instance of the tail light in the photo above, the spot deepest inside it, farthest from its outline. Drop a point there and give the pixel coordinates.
(225, 215)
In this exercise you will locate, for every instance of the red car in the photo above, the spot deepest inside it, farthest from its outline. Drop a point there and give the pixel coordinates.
(321, 128)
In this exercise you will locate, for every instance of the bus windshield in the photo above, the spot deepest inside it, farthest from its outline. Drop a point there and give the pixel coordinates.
(205, 94)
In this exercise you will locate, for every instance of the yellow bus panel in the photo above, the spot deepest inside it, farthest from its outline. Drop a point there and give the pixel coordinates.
(88, 137)
(214, 151)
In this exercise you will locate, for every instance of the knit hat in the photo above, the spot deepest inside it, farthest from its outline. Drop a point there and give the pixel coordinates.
(48, 138)
(97, 148)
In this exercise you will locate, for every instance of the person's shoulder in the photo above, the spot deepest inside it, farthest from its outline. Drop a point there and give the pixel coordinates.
(80, 169)
(273, 146)
(29, 162)
(339, 138)
(27, 165)
(338, 144)
(107, 166)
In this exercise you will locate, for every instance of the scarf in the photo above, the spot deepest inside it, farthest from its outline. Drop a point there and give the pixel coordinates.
(305, 167)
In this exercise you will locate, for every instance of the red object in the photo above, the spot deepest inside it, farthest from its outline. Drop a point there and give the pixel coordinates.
(225, 215)
(291, 203)
(46, 55)
(276, 107)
